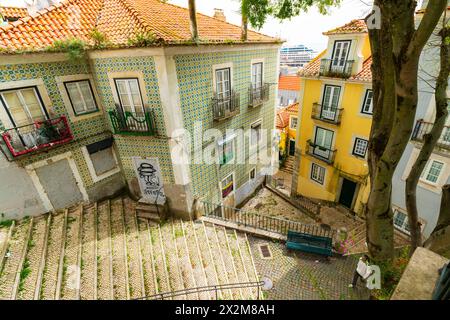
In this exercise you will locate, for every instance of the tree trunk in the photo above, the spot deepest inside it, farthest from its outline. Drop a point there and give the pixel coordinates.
(244, 26)
(439, 240)
(429, 142)
(193, 20)
(396, 49)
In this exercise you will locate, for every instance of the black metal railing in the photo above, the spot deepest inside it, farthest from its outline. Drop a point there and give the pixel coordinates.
(422, 128)
(329, 114)
(216, 288)
(320, 152)
(442, 289)
(336, 68)
(258, 95)
(225, 106)
(132, 123)
(39, 135)
(263, 222)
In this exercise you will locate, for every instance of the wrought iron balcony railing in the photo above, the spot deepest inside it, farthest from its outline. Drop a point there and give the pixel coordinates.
(258, 95)
(423, 128)
(336, 68)
(320, 152)
(37, 136)
(225, 107)
(326, 113)
(132, 123)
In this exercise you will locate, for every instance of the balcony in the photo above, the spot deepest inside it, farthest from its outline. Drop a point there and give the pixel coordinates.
(225, 107)
(422, 128)
(321, 153)
(37, 136)
(132, 123)
(329, 114)
(336, 68)
(258, 95)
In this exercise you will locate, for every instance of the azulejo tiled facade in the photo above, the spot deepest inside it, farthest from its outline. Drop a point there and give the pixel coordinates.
(188, 97)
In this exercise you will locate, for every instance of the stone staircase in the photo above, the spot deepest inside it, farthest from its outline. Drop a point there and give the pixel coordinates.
(106, 251)
(288, 166)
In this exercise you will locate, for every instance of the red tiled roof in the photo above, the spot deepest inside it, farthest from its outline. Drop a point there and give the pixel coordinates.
(119, 20)
(282, 119)
(13, 12)
(291, 83)
(312, 68)
(354, 26)
(366, 72)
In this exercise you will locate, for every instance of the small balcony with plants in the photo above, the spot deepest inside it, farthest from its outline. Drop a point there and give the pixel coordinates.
(225, 106)
(423, 128)
(320, 152)
(132, 123)
(40, 135)
(336, 68)
(257, 95)
(330, 114)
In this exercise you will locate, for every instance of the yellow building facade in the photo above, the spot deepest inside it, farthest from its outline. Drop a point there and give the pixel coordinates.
(335, 120)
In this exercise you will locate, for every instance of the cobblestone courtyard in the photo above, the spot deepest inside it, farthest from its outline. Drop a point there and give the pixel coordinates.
(301, 276)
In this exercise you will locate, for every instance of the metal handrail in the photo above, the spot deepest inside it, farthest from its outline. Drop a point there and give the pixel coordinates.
(216, 288)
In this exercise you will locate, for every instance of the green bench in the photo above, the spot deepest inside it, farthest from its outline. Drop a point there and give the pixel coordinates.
(309, 243)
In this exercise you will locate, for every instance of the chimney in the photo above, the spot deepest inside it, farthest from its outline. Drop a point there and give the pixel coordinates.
(218, 14)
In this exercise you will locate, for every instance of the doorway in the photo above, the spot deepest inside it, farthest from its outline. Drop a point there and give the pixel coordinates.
(292, 147)
(347, 195)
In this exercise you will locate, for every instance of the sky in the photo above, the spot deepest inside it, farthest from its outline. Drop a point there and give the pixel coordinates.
(305, 29)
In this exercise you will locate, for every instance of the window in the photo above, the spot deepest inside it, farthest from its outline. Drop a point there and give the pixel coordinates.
(317, 173)
(294, 122)
(432, 171)
(129, 95)
(226, 150)
(223, 89)
(401, 221)
(227, 186)
(257, 69)
(81, 96)
(102, 158)
(367, 107)
(323, 142)
(330, 102)
(360, 147)
(252, 174)
(255, 134)
(24, 106)
(340, 53)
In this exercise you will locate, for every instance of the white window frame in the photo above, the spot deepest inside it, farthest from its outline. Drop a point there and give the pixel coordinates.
(405, 223)
(354, 147)
(256, 85)
(91, 168)
(426, 172)
(316, 179)
(128, 89)
(290, 122)
(221, 144)
(234, 185)
(363, 108)
(255, 144)
(344, 59)
(91, 89)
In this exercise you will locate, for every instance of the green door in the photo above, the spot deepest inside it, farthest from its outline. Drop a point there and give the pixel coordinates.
(347, 193)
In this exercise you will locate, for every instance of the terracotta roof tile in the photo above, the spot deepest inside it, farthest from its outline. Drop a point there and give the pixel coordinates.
(293, 108)
(289, 83)
(354, 26)
(366, 73)
(313, 67)
(282, 119)
(119, 20)
(13, 12)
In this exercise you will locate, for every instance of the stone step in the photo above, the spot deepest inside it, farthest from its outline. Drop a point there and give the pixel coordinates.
(134, 258)
(156, 213)
(6, 231)
(70, 270)
(30, 273)
(148, 260)
(105, 290)
(88, 276)
(15, 256)
(248, 260)
(160, 262)
(119, 253)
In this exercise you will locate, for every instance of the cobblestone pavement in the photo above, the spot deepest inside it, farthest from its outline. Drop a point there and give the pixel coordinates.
(301, 276)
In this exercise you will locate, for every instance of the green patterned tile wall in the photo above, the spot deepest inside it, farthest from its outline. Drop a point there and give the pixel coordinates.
(129, 146)
(195, 77)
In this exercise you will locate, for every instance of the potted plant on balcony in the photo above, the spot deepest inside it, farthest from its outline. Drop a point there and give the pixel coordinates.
(47, 132)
